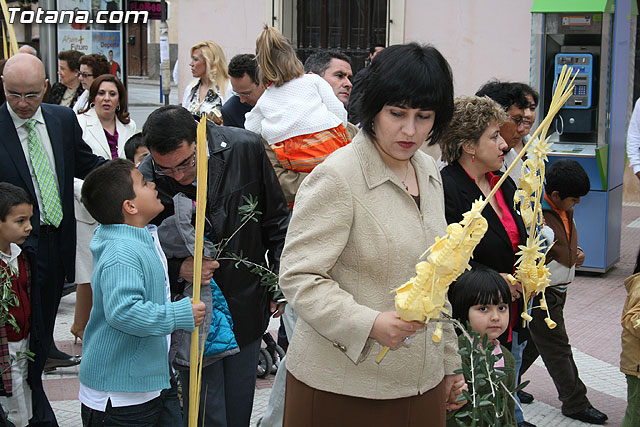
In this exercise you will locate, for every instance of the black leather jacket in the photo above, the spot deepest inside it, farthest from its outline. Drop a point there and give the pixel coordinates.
(238, 166)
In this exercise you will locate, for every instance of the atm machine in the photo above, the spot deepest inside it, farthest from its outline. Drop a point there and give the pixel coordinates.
(597, 38)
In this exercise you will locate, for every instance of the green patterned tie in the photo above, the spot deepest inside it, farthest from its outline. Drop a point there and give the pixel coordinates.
(52, 208)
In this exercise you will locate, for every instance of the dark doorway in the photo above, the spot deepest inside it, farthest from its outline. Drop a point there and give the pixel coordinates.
(137, 49)
(351, 26)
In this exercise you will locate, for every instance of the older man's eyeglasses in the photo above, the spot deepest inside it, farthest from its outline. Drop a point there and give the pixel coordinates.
(185, 165)
(85, 75)
(520, 120)
(32, 96)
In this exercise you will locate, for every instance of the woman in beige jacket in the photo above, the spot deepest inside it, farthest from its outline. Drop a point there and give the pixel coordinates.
(362, 219)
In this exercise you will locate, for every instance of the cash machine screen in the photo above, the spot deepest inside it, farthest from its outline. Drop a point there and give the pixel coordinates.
(583, 62)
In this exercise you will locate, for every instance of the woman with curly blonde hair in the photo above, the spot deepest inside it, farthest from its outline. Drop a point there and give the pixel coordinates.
(212, 87)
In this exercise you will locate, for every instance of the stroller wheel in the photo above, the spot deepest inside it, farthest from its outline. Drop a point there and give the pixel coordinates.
(277, 354)
(265, 363)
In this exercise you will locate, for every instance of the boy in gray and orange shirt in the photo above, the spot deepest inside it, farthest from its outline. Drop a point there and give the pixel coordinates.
(566, 182)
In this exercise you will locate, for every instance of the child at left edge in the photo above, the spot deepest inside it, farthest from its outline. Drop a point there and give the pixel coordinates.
(125, 363)
(16, 210)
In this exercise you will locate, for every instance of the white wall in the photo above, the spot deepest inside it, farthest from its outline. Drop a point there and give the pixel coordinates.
(481, 39)
(234, 25)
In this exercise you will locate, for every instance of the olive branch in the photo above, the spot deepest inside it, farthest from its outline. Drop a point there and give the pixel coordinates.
(478, 368)
(268, 278)
(8, 297)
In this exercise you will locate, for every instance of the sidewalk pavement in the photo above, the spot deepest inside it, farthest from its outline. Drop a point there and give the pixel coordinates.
(592, 314)
(144, 97)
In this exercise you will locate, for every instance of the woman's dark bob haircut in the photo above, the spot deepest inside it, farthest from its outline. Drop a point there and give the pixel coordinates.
(413, 75)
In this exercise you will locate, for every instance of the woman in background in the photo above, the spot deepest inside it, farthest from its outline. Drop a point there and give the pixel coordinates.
(91, 67)
(212, 86)
(106, 127)
(68, 89)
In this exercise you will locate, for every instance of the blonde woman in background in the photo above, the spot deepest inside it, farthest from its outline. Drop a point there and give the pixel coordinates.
(212, 87)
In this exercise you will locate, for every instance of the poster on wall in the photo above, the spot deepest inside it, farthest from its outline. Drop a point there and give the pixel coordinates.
(92, 32)
(107, 43)
(79, 40)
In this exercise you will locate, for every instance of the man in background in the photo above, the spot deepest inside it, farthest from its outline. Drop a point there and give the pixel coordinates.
(243, 73)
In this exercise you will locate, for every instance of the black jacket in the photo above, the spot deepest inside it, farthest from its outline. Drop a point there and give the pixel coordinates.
(495, 249)
(57, 92)
(238, 166)
(460, 191)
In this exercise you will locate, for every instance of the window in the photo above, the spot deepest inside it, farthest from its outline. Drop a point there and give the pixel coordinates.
(351, 26)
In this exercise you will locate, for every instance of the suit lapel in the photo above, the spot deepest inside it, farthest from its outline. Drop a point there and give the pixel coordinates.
(54, 129)
(94, 127)
(11, 144)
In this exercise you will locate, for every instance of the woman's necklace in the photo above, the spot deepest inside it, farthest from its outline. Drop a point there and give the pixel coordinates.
(406, 174)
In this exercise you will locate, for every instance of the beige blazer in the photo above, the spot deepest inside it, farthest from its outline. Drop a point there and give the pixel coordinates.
(93, 135)
(354, 237)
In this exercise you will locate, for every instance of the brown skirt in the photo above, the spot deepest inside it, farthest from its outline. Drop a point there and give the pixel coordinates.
(308, 407)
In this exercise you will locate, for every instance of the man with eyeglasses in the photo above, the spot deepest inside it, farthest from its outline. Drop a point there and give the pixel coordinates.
(512, 99)
(238, 169)
(243, 74)
(42, 151)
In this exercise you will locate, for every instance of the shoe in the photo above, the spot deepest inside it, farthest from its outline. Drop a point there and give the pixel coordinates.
(526, 424)
(525, 397)
(589, 415)
(51, 363)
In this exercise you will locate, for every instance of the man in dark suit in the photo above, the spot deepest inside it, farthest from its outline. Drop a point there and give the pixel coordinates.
(41, 151)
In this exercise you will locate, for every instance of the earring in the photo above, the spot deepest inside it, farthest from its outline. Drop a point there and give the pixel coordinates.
(91, 105)
(118, 107)
(473, 158)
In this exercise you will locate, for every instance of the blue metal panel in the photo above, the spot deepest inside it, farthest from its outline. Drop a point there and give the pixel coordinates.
(590, 165)
(591, 221)
(583, 63)
(620, 91)
(614, 225)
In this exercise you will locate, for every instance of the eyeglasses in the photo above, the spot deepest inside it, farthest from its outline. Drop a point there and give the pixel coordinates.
(185, 165)
(85, 75)
(24, 97)
(519, 120)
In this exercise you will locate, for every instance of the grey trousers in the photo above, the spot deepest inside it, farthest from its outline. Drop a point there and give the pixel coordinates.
(227, 389)
(275, 408)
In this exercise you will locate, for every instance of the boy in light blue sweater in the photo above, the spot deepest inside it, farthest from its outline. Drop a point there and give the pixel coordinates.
(125, 349)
